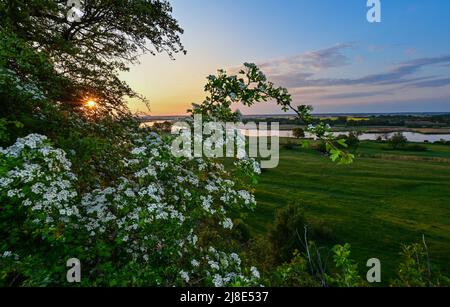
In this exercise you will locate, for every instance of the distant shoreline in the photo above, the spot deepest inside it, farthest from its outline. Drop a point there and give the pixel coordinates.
(175, 117)
(378, 130)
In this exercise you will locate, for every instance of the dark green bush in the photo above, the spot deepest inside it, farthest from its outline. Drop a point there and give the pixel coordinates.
(298, 133)
(284, 234)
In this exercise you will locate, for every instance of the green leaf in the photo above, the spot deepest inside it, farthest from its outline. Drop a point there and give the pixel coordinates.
(342, 143)
(306, 144)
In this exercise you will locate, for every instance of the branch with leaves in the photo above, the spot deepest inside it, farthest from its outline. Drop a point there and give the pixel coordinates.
(250, 86)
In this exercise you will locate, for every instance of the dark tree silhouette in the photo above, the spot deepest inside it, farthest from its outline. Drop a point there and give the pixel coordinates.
(85, 55)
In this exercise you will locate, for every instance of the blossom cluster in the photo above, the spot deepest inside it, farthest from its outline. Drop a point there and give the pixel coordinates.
(221, 269)
(151, 215)
(42, 181)
(250, 165)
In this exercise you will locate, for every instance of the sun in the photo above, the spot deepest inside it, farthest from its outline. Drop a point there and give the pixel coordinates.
(91, 104)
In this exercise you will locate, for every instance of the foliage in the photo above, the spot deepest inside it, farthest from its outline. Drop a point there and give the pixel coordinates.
(83, 57)
(250, 86)
(415, 269)
(144, 218)
(5, 127)
(91, 184)
(284, 234)
(398, 140)
(295, 273)
(347, 275)
(96, 186)
(292, 231)
(351, 140)
(49, 67)
(117, 207)
(312, 269)
(164, 127)
(298, 133)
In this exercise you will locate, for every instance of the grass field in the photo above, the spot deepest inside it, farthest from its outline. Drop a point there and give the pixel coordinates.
(385, 198)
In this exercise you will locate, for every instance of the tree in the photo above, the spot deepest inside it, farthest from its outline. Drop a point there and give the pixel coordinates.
(397, 140)
(49, 67)
(298, 133)
(163, 127)
(86, 55)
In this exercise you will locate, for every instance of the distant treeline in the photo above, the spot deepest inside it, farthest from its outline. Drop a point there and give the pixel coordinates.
(410, 121)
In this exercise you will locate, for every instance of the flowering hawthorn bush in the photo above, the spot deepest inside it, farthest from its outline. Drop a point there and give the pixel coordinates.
(147, 219)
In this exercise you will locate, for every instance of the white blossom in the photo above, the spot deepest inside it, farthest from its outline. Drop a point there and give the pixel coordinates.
(255, 272)
(218, 281)
(185, 276)
(227, 223)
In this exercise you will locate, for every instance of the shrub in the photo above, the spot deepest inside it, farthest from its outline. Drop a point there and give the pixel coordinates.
(298, 133)
(163, 127)
(148, 218)
(284, 234)
(398, 140)
(353, 140)
(260, 253)
(287, 233)
(415, 269)
(347, 270)
(294, 273)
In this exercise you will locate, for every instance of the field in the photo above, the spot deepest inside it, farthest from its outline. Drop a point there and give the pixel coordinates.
(385, 198)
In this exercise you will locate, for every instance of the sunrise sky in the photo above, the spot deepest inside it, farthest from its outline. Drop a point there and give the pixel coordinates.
(324, 51)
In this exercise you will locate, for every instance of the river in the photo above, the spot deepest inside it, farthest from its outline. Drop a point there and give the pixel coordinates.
(411, 136)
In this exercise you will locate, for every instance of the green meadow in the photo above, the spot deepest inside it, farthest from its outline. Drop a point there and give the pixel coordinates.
(384, 199)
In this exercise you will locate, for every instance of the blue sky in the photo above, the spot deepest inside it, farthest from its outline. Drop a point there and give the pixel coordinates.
(324, 51)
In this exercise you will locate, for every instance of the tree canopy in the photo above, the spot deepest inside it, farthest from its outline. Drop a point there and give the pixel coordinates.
(69, 61)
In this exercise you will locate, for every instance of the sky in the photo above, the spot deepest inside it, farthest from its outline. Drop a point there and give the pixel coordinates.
(324, 51)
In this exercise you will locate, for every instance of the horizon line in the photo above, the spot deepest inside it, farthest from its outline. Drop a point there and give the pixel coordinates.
(321, 113)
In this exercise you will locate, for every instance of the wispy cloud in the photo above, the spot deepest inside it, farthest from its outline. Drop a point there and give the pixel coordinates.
(312, 61)
(432, 83)
(402, 73)
(356, 95)
(299, 71)
(310, 77)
